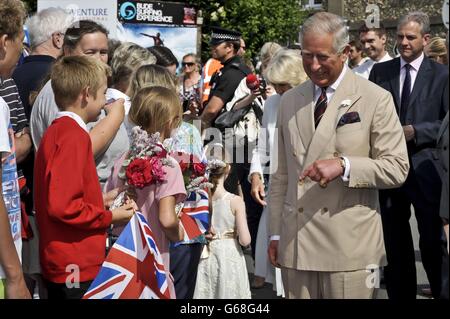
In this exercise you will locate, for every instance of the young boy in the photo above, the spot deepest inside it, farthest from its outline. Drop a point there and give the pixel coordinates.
(12, 283)
(70, 210)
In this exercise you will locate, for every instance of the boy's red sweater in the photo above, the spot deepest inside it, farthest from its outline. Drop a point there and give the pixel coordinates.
(69, 206)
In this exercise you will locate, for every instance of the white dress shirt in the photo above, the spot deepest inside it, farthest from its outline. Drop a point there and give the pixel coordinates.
(415, 65)
(365, 68)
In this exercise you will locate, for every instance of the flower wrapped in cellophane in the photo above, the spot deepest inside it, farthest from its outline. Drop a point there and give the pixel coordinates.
(145, 160)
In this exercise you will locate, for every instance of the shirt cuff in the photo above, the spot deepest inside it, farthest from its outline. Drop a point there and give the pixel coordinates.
(275, 237)
(346, 176)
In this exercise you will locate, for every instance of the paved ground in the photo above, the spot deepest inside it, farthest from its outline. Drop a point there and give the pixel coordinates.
(422, 282)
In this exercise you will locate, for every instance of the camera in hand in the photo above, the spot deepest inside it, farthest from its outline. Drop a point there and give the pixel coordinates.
(254, 82)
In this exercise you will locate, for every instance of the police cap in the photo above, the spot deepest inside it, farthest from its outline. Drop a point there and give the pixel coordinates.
(219, 35)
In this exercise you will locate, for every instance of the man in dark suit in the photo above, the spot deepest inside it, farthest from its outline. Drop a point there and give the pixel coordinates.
(418, 86)
(442, 155)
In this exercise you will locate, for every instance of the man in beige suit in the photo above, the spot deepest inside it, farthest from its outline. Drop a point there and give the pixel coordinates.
(339, 141)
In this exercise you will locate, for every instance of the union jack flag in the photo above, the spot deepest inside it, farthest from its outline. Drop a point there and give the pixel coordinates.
(194, 215)
(133, 268)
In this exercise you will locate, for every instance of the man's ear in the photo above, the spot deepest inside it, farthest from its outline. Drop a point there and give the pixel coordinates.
(57, 40)
(426, 39)
(344, 53)
(383, 38)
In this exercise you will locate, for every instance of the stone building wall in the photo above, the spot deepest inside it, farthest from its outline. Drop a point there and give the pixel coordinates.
(390, 11)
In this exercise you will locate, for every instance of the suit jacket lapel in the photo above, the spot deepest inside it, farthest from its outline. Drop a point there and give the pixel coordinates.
(305, 116)
(327, 126)
(395, 83)
(423, 76)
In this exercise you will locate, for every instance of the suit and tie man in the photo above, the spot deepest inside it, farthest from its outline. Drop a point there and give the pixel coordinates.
(442, 146)
(418, 87)
(374, 44)
(339, 141)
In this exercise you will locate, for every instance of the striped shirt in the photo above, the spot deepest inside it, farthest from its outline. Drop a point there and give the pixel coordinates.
(10, 93)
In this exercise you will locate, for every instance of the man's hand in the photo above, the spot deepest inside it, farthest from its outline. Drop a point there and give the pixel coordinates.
(273, 253)
(257, 191)
(409, 132)
(323, 171)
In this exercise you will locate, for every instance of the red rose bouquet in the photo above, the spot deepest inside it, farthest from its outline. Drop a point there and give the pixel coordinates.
(145, 160)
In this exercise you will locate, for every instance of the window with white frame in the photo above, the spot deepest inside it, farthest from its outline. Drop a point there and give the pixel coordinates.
(312, 4)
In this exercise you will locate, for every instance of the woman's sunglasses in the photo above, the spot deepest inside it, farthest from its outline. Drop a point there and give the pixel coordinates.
(187, 64)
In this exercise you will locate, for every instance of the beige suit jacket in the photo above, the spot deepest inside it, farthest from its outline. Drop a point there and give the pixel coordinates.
(337, 228)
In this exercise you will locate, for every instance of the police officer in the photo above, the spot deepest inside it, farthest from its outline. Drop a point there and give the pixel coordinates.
(225, 45)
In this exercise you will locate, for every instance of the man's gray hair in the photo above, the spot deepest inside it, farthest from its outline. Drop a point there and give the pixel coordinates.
(43, 24)
(419, 17)
(327, 23)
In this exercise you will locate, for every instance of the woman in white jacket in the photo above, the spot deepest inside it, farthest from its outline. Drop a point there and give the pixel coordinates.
(284, 72)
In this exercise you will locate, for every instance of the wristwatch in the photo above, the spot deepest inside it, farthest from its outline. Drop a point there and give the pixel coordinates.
(342, 162)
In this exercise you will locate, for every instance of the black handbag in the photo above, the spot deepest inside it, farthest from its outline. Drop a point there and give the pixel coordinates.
(229, 118)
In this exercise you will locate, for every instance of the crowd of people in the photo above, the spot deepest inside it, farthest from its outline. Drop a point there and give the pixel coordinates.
(313, 164)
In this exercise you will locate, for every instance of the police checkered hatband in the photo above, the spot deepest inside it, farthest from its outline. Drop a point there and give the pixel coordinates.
(222, 36)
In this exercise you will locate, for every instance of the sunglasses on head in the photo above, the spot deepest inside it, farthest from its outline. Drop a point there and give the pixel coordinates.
(187, 64)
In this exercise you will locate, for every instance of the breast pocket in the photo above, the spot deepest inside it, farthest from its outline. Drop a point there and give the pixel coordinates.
(352, 127)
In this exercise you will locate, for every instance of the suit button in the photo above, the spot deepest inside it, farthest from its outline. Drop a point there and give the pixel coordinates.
(324, 209)
(294, 153)
(336, 154)
(300, 210)
(445, 148)
(301, 182)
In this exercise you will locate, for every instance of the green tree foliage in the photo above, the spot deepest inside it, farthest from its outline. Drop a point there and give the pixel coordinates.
(259, 21)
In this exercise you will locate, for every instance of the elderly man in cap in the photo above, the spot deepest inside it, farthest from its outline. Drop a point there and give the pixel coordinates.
(225, 45)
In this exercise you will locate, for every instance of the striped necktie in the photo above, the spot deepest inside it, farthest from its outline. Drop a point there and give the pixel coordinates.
(321, 106)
